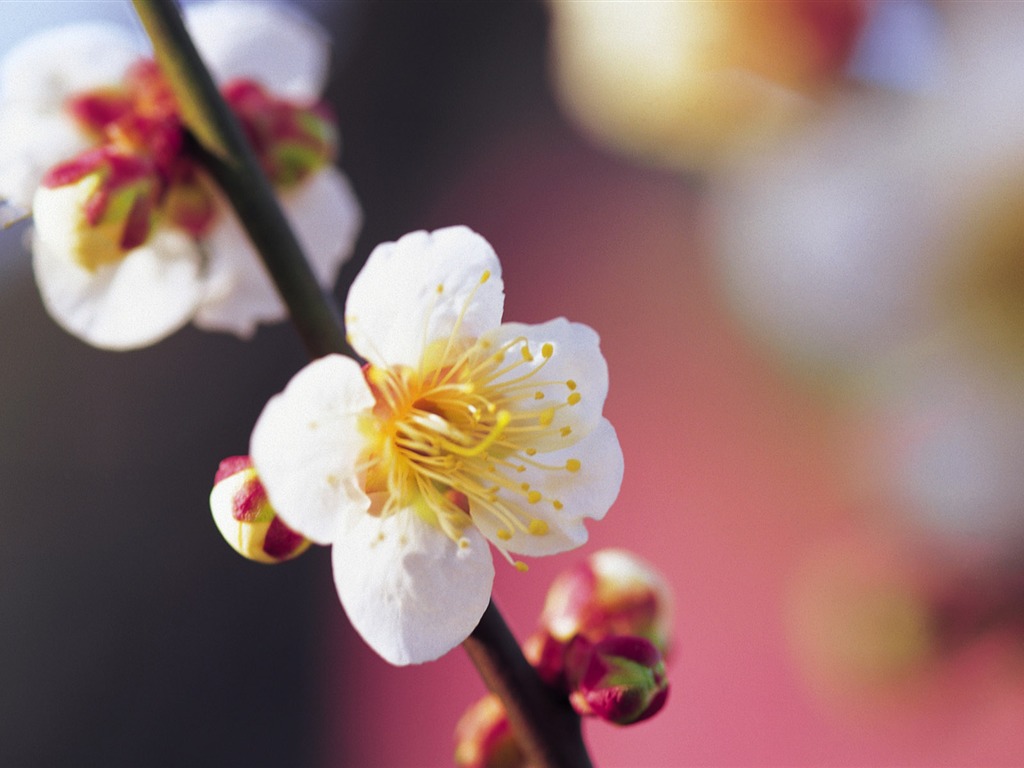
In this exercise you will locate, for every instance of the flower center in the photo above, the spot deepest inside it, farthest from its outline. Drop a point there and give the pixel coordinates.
(456, 442)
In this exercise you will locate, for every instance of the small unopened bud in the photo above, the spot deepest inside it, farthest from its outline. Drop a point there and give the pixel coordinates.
(545, 654)
(612, 592)
(484, 738)
(245, 518)
(97, 206)
(619, 679)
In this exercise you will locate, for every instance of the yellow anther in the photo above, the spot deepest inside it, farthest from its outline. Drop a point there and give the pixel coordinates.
(546, 417)
(503, 534)
(463, 543)
(573, 465)
(557, 504)
(566, 431)
(533, 497)
(538, 527)
(574, 398)
(547, 350)
(485, 276)
(440, 288)
(531, 451)
(525, 486)
(527, 354)
(520, 468)
(570, 384)
(538, 395)
(521, 566)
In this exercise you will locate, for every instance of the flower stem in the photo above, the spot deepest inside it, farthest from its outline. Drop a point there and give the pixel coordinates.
(218, 139)
(546, 726)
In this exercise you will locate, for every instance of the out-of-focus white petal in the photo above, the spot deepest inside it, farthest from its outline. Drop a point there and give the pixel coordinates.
(272, 44)
(420, 290)
(30, 144)
(140, 300)
(45, 69)
(585, 493)
(325, 216)
(574, 380)
(306, 446)
(412, 593)
(238, 294)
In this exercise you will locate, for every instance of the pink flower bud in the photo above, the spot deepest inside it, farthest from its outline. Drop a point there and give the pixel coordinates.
(484, 739)
(611, 593)
(245, 518)
(619, 679)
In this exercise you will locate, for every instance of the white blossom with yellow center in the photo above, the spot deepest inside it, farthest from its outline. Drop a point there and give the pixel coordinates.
(460, 430)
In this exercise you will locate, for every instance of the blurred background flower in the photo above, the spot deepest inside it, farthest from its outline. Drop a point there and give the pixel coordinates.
(813, 359)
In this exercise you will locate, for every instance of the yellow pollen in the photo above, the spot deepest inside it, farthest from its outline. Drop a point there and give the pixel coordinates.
(520, 468)
(573, 465)
(533, 497)
(574, 398)
(557, 504)
(565, 431)
(570, 384)
(525, 486)
(521, 566)
(538, 527)
(547, 350)
(503, 534)
(485, 276)
(546, 417)
(463, 543)
(538, 395)
(531, 451)
(440, 288)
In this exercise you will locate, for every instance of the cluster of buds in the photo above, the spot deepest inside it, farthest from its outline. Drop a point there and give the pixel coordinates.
(602, 639)
(245, 517)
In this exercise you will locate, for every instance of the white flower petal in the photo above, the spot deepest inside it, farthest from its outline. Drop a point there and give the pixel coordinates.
(239, 294)
(42, 71)
(31, 143)
(412, 593)
(419, 290)
(574, 380)
(142, 299)
(585, 493)
(306, 445)
(326, 217)
(272, 44)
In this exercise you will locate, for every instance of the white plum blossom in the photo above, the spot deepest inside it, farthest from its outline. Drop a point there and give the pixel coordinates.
(460, 430)
(131, 240)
